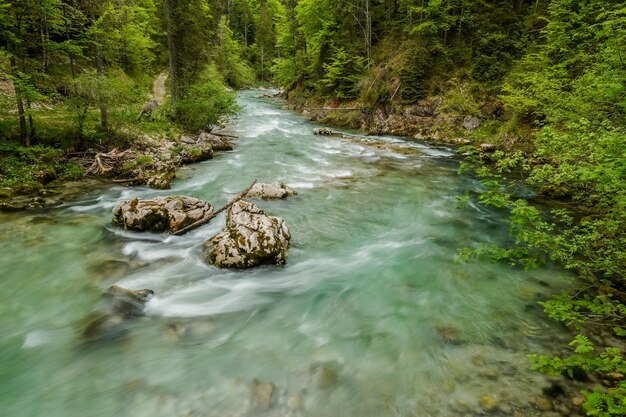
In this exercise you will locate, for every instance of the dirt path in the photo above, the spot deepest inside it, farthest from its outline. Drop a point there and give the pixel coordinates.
(158, 88)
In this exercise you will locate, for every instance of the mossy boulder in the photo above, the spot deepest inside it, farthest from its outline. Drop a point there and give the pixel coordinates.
(250, 238)
(557, 192)
(189, 154)
(171, 213)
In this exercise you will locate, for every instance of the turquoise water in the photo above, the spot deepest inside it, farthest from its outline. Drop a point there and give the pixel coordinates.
(373, 293)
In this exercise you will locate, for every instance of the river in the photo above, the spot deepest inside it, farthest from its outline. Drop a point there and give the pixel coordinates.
(374, 314)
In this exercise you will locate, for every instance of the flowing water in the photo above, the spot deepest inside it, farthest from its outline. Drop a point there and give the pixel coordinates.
(373, 314)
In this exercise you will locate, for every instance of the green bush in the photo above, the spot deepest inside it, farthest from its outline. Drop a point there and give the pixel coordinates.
(203, 104)
(343, 74)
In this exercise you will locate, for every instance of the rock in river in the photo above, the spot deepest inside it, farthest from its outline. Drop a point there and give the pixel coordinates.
(261, 395)
(250, 238)
(274, 190)
(118, 304)
(160, 214)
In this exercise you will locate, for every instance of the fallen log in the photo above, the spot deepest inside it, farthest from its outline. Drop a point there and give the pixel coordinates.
(336, 108)
(224, 135)
(215, 214)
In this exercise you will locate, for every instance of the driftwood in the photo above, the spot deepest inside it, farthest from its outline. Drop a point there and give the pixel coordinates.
(129, 180)
(215, 214)
(103, 162)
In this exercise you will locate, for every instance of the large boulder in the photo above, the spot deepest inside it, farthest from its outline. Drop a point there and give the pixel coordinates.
(274, 190)
(160, 214)
(250, 238)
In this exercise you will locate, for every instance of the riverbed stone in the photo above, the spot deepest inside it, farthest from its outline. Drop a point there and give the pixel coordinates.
(488, 403)
(275, 190)
(116, 307)
(324, 375)
(295, 403)
(543, 404)
(261, 395)
(171, 213)
(250, 238)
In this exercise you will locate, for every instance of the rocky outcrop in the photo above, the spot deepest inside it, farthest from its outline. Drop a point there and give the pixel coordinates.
(117, 305)
(269, 191)
(160, 214)
(250, 238)
(218, 143)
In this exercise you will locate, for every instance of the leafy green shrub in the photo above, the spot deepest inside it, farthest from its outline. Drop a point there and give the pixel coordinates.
(203, 104)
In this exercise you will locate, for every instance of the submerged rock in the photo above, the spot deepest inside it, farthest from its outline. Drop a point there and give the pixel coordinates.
(488, 403)
(250, 238)
(118, 305)
(323, 375)
(160, 214)
(324, 131)
(274, 190)
(261, 395)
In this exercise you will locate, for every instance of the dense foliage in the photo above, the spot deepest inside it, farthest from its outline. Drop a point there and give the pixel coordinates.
(94, 62)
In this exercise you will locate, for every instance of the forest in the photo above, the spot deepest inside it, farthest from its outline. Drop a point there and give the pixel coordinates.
(532, 94)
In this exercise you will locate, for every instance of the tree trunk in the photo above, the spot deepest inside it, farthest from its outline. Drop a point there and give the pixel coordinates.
(31, 123)
(172, 49)
(24, 139)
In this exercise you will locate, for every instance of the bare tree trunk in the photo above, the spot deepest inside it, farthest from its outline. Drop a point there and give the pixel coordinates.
(31, 123)
(172, 50)
(24, 139)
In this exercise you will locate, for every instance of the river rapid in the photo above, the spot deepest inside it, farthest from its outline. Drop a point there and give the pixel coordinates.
(374, 314)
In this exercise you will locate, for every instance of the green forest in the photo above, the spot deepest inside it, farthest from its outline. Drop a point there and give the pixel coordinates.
(532, 94)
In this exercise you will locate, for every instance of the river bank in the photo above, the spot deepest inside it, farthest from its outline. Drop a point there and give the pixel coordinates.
(149, 161)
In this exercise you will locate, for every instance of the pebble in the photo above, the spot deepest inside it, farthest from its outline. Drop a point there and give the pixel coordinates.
(261, 395)
(578, 401)
(324, 375)
(488, 403)
(295, 403)
(543, 404)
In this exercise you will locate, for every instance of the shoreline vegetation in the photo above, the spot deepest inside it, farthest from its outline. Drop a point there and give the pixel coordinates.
(530, 91)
